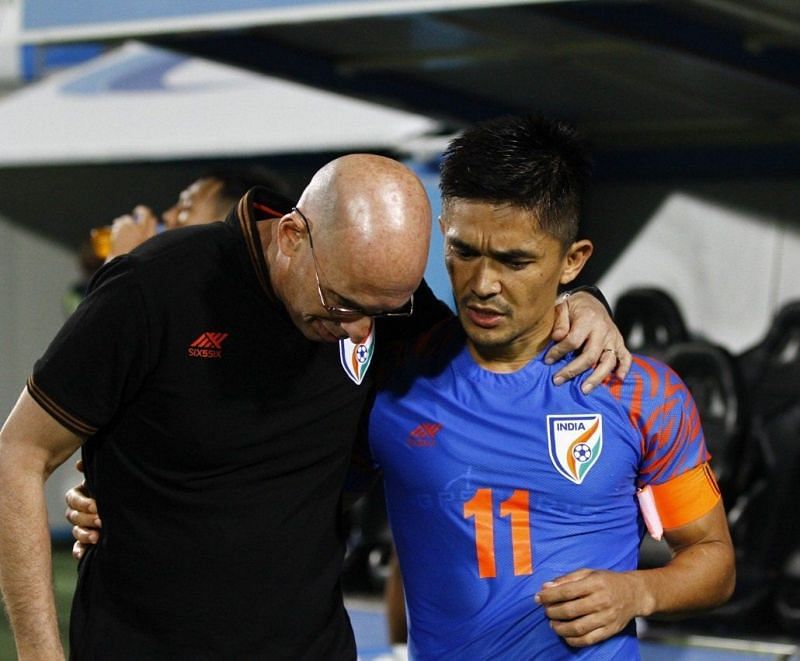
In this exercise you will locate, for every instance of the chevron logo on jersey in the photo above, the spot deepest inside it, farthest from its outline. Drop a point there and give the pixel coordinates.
(355, 358)
(575, 443)
(208, 345)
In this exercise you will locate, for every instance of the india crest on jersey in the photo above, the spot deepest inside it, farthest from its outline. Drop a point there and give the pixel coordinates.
(355, 358)
(575, 443)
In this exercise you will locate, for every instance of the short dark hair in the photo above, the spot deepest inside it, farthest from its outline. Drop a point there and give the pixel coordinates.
(525, 161)
(236, 181)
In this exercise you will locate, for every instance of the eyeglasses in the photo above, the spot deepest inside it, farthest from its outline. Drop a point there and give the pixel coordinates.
(349, 312)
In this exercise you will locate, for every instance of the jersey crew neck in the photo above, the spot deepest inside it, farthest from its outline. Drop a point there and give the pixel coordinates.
(530, 374)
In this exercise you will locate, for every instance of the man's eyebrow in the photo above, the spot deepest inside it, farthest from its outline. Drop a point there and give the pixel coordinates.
(462, 245)
(499, 255)
(348, 303)
(342, 300)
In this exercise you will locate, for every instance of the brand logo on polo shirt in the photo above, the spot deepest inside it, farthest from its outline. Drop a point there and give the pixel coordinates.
(208, 345)
(424, 435)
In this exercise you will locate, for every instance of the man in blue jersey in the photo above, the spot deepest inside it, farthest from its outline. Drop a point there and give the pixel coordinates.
(513, 503)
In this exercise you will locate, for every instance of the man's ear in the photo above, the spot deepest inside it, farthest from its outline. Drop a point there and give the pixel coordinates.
(291, 234)
(575, 259)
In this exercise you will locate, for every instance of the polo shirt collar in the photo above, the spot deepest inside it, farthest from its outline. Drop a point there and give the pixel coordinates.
(258, 205)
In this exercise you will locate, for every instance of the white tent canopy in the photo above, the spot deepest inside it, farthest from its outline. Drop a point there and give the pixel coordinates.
(693, 246)
(144, 103)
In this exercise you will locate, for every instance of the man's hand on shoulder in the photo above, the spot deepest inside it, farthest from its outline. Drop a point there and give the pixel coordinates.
(583, 323)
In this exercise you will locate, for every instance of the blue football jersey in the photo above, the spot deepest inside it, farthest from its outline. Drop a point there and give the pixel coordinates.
(496, 483)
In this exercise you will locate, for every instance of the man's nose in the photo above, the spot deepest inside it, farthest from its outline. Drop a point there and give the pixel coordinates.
(485, 281)
(357, 329)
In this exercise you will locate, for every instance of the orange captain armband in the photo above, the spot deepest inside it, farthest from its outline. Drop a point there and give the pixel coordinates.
(687, 497)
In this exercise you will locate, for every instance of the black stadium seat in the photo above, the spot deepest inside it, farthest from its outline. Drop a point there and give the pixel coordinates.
(713, 377)
(765, 519)
(649, 320)
(775, 392)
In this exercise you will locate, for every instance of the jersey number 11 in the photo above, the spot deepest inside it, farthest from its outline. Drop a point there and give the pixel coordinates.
(480, 508)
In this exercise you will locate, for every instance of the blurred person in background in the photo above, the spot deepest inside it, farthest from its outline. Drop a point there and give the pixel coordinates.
(207, 199)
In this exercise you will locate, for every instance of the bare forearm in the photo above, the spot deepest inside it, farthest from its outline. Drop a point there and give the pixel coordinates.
(32, 446)
(587, 605)
(25, 564)
(698, 578)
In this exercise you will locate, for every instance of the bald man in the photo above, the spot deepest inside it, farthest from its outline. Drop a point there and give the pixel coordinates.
(215, 379)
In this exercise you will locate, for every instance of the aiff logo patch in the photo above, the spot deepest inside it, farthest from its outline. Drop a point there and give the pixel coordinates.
(575, 443)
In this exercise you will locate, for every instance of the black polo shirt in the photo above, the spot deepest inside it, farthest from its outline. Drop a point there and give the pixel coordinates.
(218, 441)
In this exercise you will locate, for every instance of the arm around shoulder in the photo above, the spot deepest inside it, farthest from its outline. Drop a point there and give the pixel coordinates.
(32, 446)
(583, 323)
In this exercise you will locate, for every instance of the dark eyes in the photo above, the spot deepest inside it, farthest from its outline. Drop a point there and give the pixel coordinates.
(464, 252)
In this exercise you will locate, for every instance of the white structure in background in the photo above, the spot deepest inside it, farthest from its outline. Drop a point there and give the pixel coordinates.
(728, 271)
(10, 21)
(144, 103)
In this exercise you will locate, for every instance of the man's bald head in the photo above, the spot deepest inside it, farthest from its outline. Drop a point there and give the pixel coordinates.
(372, 204)
(370, 221)
(370, 214)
